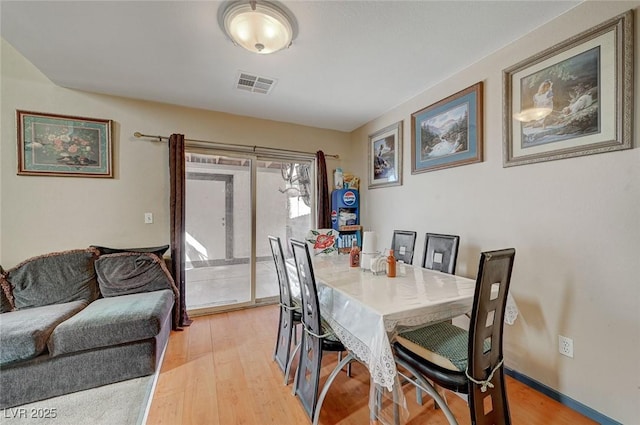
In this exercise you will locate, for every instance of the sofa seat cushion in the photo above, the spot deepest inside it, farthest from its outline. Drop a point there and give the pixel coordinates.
(25, 332)
(112, 321)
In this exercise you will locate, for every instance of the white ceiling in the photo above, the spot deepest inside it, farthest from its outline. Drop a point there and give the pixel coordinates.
(351, 62)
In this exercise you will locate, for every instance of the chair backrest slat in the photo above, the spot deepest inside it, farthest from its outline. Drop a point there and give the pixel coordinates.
(310, 359)
(281, 270)
(440, 252)
(308, 289)
(485, 336)
(403, 245)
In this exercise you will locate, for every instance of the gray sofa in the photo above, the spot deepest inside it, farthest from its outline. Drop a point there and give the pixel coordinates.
(77, 319)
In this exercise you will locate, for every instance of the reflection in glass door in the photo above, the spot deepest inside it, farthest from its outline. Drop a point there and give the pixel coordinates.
(226, 244)
(284, 209)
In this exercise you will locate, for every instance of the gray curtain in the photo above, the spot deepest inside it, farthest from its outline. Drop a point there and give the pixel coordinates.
(324, 201)
(177, 176)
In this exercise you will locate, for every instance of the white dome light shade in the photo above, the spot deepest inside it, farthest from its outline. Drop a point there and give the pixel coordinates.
(259, 27)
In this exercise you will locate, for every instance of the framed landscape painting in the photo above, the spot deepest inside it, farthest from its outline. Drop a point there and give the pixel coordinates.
(449, 132)
(385, 157)
(60, 145)
(573, 99)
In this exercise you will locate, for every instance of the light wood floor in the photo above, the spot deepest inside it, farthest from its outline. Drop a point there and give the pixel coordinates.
(220, 371)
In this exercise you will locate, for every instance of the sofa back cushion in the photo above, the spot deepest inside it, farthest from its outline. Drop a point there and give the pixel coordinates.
(5, 304)
(54, 278)
(6, 296)
(132, 272)
(158, 250)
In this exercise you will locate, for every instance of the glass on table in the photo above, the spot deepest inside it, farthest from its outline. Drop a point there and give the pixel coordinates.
(401, 268)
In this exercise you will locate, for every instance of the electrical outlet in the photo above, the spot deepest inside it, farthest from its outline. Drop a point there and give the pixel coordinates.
(565, 346)
(148, 218)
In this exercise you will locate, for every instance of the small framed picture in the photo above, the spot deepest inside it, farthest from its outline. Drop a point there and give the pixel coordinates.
(385, 157)
(573, 99)
(61, 145)
(449, 132)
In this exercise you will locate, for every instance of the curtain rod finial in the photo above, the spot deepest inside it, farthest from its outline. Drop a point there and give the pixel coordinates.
(137, 134)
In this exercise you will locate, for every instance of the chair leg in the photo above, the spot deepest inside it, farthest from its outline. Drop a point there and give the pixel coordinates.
(286, 331)
(325, 389)
(435, 405)
(373, 414)
(348, 364)
(420, 400)
(286, 373)
(396, 406)
(425, 386)
(375, 411)
(442, 393)
(403, 381)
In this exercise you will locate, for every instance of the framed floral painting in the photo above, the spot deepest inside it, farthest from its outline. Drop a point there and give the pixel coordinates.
(60, 145)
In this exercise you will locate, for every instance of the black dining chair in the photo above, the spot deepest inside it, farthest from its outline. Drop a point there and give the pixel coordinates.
(440, 252)
(317, 338)
(290, 312)
(403, 245)
(468, 362)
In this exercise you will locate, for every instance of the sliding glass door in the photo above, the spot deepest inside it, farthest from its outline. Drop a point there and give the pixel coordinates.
(284, 209)
(232, 204)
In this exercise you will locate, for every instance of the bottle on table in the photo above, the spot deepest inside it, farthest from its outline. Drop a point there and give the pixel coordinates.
(354, 255)
(391, 264)
(338, 179)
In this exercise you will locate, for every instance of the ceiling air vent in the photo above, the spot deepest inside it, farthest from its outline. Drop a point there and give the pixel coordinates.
(255, 83)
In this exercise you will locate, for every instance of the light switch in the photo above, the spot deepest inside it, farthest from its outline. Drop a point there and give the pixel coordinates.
(148, 218)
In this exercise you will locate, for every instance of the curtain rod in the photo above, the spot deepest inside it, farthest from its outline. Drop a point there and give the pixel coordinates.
(228, 147)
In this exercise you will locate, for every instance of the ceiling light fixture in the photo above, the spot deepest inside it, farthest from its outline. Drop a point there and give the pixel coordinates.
(258, 26)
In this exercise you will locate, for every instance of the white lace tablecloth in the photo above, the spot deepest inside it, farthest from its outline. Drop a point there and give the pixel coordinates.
(366, 311)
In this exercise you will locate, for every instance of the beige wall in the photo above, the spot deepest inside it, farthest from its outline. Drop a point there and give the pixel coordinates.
(575, 224)
(43, 214)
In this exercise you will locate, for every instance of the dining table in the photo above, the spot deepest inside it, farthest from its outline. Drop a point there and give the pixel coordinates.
(367, 310)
